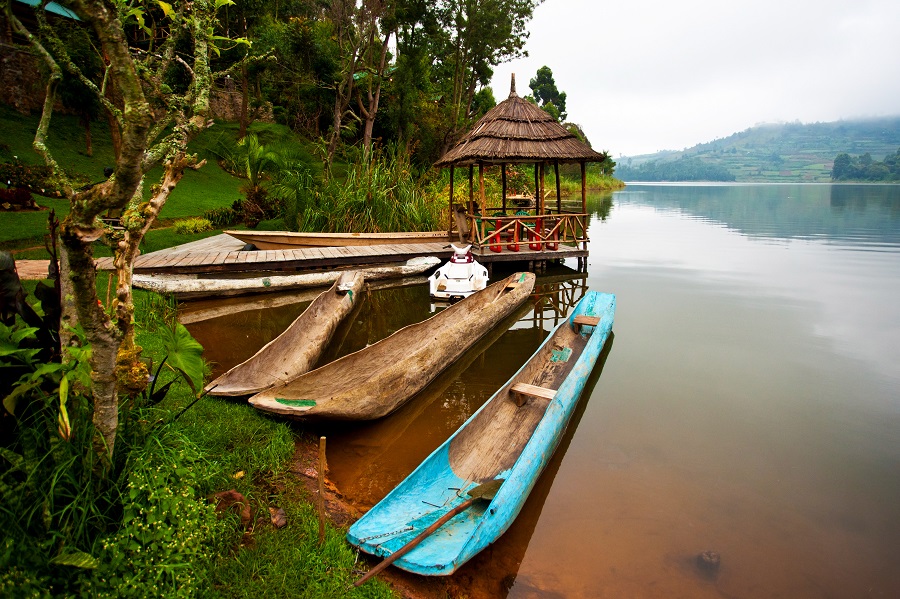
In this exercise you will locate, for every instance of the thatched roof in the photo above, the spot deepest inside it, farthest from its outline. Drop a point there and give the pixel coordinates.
(515, 130)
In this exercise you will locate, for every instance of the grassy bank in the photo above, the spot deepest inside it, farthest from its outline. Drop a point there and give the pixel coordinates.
(153, 531)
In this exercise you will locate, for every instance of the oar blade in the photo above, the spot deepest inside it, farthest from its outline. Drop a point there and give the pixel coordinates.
(486, 490)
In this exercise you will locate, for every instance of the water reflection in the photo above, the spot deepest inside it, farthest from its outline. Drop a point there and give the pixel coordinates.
(751, 406)
(494, 572)
(848, 213)
(366, 460)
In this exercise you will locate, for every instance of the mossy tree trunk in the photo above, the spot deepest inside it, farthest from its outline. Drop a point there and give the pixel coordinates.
(145, 143)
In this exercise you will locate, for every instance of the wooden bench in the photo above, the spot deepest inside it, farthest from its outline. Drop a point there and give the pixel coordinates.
(582, 320)
(522, 391)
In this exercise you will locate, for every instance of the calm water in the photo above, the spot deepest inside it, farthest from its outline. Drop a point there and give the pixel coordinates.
(749, 403)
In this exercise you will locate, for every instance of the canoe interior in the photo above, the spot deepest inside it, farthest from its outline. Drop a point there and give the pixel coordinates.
(501, 440)
(492, 442)
(278, 240)
(375, 381)
(296, 350)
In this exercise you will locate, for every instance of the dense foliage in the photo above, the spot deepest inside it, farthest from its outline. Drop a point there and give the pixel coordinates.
(408, 72)
(864, 168)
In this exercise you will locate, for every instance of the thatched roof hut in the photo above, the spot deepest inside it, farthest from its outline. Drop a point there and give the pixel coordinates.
(515, 130)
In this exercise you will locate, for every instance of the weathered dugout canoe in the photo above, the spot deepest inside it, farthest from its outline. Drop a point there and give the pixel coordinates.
(286, 240)
(511, 437)
(187, 287)
(375, 381)
(298, 348)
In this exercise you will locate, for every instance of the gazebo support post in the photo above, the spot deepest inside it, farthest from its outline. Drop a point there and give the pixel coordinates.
(503, 180)
(481, 195)
(541, 193)
(536, 187)
(558, 194)
(450, 230)
(471, 190)
(584, 205)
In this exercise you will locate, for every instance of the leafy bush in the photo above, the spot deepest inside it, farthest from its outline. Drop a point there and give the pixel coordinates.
(57, 502)
(192, 225)
(19, 174)
(222, 217)
(168, 533)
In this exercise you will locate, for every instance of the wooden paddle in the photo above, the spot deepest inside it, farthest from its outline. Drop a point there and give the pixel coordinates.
(485, 491)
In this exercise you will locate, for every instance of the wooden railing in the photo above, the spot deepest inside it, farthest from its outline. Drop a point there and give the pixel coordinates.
(543, 232)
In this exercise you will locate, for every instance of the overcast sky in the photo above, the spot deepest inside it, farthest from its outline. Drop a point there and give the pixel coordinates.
(649, 75)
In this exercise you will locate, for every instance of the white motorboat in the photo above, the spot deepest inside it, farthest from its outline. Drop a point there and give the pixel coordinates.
(460, 277)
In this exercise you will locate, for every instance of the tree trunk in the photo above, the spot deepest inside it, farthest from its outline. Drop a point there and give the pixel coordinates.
(104, 337)
(115, 134)
(245, 102)
(68, 315)
(89, 145)
(335, 128)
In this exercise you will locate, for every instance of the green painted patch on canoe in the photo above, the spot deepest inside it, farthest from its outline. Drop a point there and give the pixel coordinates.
(560, 355)
(297, 403)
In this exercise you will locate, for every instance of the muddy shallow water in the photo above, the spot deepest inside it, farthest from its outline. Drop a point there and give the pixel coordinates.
(748, 404)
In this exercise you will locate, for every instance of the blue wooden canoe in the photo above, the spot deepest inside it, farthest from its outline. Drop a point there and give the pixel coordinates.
(511, 437)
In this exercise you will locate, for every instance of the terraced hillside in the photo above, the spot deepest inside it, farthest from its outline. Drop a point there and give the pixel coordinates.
(791, 152)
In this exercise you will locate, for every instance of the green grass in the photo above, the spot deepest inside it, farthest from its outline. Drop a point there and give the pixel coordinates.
(240, 448)
(198, 191)
(24, 229)
(251, 453)
(289, 563)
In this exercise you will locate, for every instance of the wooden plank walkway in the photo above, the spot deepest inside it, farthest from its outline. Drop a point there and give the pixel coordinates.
(222, 253)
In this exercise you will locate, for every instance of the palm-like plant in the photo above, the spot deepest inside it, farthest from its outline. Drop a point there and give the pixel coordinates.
(256, 162)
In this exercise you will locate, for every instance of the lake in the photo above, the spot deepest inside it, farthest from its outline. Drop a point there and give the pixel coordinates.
(748, 403)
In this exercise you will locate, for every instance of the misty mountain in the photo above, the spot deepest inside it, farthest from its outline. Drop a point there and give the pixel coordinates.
(785, 152)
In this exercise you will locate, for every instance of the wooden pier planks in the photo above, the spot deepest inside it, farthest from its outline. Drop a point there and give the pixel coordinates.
(221, 253)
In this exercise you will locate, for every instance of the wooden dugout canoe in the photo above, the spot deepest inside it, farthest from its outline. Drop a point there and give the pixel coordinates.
(297, 349)
(286, 240)
(185, 287)
(376, 380)
(510, 438)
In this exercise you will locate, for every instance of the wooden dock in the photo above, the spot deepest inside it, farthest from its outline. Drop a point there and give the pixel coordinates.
(223, 253)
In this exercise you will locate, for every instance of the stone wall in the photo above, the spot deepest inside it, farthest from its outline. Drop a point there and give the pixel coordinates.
(23, 89)
(22, 86)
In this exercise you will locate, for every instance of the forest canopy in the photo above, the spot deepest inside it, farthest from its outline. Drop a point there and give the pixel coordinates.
(683, 169)
(864, 168)
(409, 72)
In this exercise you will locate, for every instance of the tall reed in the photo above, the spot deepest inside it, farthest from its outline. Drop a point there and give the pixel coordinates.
(381, 192)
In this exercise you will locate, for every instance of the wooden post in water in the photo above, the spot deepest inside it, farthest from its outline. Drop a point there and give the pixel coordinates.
(321, 502)
(584, 220)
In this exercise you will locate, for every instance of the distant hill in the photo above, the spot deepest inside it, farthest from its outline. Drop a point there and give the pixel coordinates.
(788, 152)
